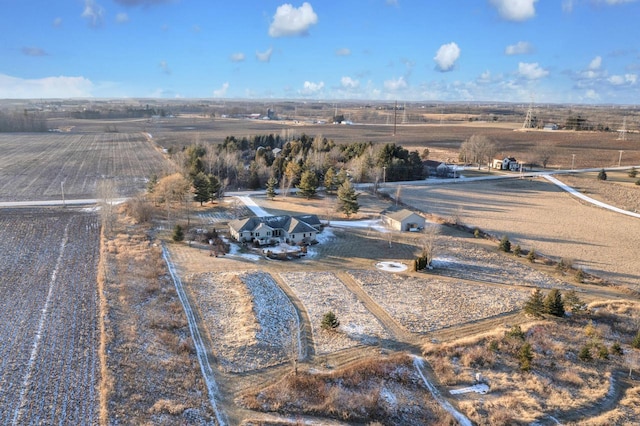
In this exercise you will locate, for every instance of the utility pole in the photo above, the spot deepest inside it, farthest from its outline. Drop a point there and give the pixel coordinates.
(573, 161)
(395, 117)
(620, 158)
(62, 188)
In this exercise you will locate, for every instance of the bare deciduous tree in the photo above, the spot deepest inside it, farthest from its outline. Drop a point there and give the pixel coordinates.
(107, 193)
(428, 243)
(172, 190)
(478, 149)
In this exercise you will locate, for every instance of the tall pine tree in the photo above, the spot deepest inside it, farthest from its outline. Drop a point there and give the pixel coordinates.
(347, 199)
(553, 303)
(271, 187)
(308, 184)
(535, 304)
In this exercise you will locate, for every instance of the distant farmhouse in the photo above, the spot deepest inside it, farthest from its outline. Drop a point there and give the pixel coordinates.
(440, 169)
(276, 229)
(402, 220)
(507, 163)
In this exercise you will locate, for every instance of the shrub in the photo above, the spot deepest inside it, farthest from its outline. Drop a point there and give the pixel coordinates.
(516, 332)
(585, 353)
(525, 356)
(638, 182)
(505, 244)
(616, 349)
(590, 330)
(636, 341)
(573, 302)
(517, 250)
(603, 352)
(476, 233)
(330, 321)
(178, 234)
(602, 175)
(580, 276)
(531, 256)
(633, 172)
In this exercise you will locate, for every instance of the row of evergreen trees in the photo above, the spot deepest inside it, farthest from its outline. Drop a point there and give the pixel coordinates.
(553, 304)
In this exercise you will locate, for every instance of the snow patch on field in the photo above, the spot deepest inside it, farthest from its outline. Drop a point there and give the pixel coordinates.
(391, 266)
(321, 292)
(248, 317)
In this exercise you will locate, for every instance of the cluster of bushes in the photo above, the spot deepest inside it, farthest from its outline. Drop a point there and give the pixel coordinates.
(421, 262)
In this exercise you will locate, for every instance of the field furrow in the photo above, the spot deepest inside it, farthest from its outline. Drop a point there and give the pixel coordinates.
(48, 308)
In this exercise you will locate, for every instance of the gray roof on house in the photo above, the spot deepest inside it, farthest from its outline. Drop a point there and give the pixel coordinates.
(290, 224)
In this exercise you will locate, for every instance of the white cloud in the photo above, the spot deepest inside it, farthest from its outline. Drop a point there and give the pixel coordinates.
(265, 56)
(592, 95)
(392, 2)
(395, 85)
(520, 48)
(165, 67)
(310, 88)
(289, 21)
(614, 2)
(567, 5)
(57, 22)
(237, 57)
(122, 17)
(343, 52)
(93, 13)
(595, 63)
(485, 77)
(447, 56)
(349, 83)
(515, 10)
(48, 87)
(531, 71)
(141, 2)
(222, 91)
(619, 80)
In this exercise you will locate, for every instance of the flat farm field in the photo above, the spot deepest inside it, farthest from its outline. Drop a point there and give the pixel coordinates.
(39, 166)
(538, 215)
(49, 368)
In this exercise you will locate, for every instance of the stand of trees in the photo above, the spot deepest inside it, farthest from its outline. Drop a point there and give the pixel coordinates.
(304, 162)
(26, 121)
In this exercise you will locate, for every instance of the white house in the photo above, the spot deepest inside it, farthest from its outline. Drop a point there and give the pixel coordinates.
(402, 220)
(507, 163)
(275, 229)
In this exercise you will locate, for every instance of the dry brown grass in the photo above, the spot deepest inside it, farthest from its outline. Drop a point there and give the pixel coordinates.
(559, 383)
(155, 377)
(106, 380)
(386, 390)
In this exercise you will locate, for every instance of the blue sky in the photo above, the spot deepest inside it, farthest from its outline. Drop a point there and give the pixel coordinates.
(561, 51)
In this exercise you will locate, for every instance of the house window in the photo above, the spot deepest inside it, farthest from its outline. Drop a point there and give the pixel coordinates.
(257, 234)
(293, 236)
